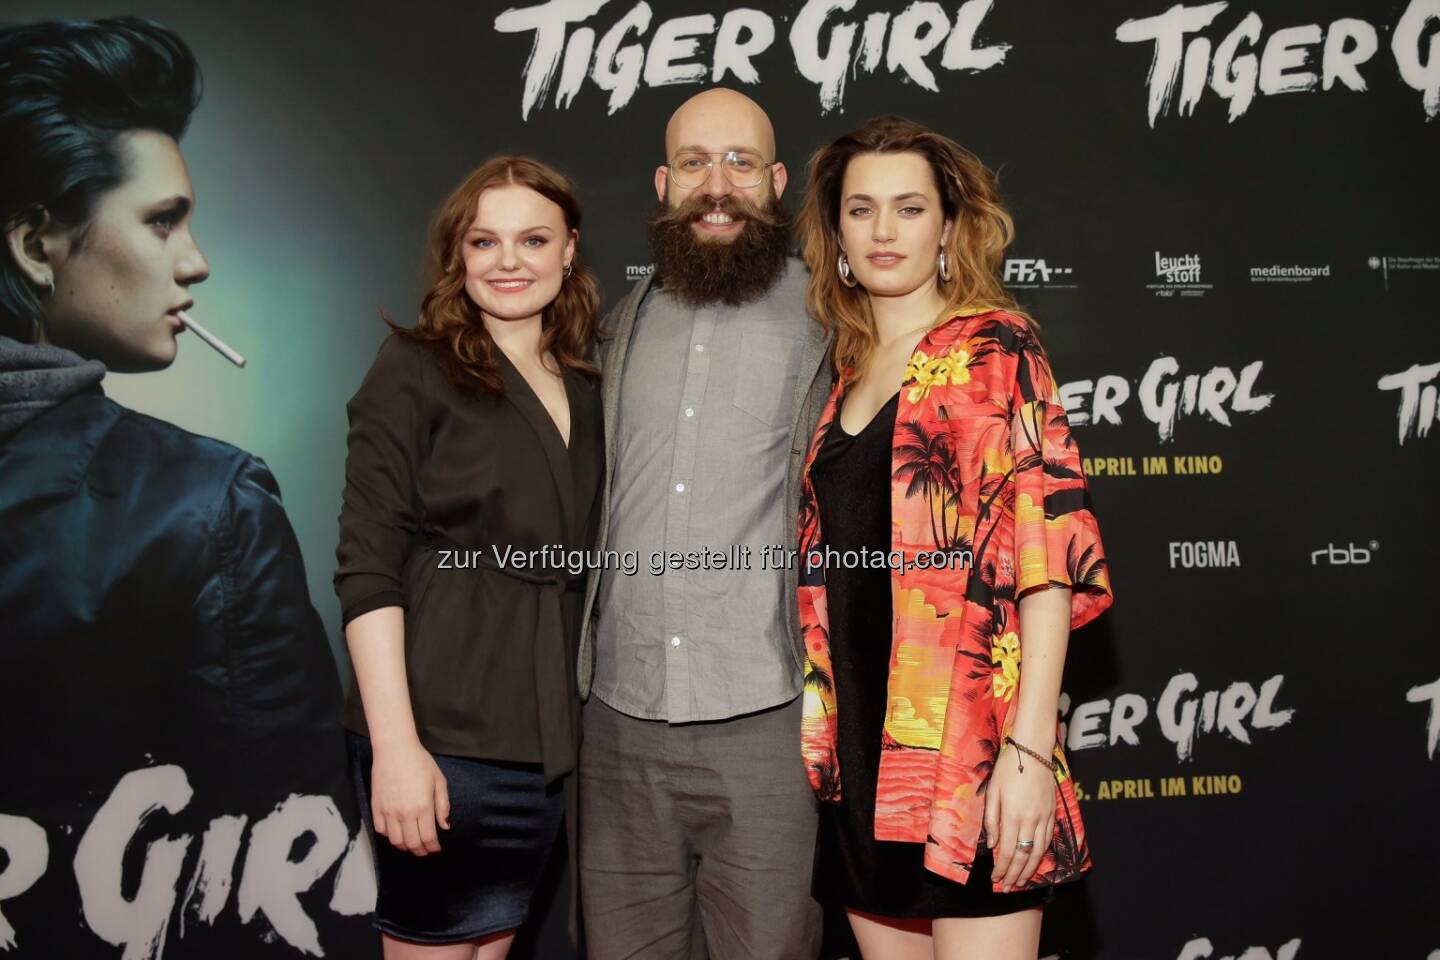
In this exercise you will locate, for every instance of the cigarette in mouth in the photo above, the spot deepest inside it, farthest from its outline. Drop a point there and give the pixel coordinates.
(220, 346)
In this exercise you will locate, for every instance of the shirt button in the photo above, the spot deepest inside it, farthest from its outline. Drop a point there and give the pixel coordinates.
(699, 348)
(689, 411)
(674, 641)
(679, 488)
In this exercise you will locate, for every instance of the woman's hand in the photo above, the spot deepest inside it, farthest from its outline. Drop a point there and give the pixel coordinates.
(1019, 806)
(408, 793)
(408, 797)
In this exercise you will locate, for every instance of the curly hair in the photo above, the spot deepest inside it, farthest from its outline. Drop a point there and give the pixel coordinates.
(970, 197)
(452, 322)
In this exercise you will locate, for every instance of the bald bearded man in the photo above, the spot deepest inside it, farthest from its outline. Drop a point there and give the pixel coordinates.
(697, 822)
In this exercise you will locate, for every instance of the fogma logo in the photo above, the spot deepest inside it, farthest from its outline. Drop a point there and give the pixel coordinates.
(1203, 554)
(1279, 65)
(1165, 396)
(826, 47)
(1031, 274)
(1346, 556)
(1417, 398)
(1180, 713)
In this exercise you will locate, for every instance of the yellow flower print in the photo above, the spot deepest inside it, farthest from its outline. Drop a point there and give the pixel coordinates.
(918, 365)
(956, 366)
(926, 372)
(921, 371)
(1005, 654)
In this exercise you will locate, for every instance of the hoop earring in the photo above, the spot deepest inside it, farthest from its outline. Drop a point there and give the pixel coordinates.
(49, 288)
(568, 270)
(842, 266)
(944, 269)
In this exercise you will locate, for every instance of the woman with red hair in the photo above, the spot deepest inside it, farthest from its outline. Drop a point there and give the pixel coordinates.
(474, 451)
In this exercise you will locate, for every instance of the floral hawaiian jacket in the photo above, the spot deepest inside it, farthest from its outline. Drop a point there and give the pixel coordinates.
(983, 462)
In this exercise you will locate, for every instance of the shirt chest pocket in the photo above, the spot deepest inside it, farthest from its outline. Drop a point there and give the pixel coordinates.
(765, 381)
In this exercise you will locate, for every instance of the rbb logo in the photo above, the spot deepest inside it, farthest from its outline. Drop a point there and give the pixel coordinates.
(1348, 555)
(1026, 271)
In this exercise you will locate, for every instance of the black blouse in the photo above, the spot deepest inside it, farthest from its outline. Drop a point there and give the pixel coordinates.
(439, 485)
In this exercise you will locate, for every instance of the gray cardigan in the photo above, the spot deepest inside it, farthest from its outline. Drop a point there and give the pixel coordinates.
(811, 391)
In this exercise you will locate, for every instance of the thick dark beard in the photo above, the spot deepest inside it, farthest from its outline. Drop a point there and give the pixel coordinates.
(703, 272)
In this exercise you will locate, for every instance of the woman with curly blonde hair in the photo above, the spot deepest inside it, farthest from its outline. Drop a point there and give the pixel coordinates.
(946, 535)
(474, 451)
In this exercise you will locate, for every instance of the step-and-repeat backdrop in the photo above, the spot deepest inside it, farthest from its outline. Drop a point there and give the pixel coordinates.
(1228, 229)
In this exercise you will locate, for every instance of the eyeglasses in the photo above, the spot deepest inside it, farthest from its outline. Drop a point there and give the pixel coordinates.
(691, 169)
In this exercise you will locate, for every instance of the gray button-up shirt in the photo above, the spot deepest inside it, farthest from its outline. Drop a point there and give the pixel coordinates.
(705, 415)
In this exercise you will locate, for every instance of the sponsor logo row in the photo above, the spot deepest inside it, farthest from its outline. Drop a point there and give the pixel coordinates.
(1212, 554)
(1180, 274)
(1185, 274)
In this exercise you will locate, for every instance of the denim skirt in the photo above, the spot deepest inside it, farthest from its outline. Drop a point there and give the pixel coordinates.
(503, 825)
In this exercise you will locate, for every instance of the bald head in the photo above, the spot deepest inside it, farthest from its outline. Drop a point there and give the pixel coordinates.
(720, 119)
(717, 121)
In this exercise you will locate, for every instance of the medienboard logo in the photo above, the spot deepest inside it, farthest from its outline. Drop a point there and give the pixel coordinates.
(639, 272)
(1026, 274)
(1178, 275)
(1288, 273)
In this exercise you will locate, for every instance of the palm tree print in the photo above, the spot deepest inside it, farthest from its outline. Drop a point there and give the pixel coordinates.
(926, 462)
(827, 772)
(817, 678)
(1084, 564)
(983, 460)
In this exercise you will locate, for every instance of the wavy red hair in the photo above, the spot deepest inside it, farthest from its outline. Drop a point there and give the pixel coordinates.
(452, 321)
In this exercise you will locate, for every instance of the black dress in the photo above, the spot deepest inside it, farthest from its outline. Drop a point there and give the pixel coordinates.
(851, 477)
(439, 486)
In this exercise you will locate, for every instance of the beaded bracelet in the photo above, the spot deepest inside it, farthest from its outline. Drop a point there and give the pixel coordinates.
(1049, 764)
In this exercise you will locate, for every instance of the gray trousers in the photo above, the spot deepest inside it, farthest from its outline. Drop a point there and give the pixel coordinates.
(696, 837)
